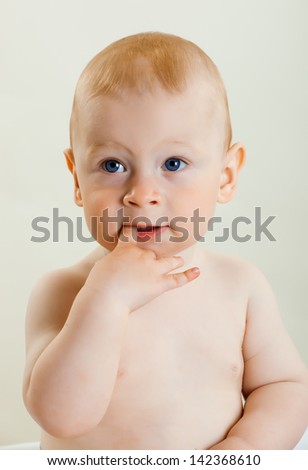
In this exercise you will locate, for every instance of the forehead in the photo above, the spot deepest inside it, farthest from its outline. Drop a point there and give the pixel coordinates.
(191, 114)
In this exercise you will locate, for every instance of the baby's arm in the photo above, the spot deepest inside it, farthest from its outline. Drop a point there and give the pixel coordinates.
(74, 341)
(70, 360)
(275, 382)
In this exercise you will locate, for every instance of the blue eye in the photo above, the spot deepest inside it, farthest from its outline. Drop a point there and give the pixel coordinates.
(112, 166)
(174, 163)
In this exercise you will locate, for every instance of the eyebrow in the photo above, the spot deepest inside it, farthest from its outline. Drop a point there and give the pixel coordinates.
(109, 143)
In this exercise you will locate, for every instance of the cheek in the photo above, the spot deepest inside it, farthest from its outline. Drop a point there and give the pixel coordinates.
(197, 206)
(201, 195)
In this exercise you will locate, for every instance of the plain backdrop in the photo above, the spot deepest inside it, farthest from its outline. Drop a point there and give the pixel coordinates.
(261, 49)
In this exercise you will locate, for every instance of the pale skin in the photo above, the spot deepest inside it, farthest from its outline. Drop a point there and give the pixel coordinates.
(131, 348)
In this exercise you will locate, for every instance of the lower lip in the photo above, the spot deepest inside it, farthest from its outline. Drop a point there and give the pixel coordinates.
(152, 233)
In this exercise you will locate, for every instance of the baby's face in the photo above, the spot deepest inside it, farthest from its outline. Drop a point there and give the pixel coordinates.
(156, 158)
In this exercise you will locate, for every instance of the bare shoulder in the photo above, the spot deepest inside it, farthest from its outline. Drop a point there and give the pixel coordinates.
(55, 291)
(243, 277)
(237, 271)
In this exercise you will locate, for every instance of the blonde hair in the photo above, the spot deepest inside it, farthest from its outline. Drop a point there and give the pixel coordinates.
(137, 62)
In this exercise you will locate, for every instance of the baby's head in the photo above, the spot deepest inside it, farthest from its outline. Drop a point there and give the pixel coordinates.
(150, 137)
(139, 63)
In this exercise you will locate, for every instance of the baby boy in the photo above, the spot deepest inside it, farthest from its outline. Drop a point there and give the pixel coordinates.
(152, 341)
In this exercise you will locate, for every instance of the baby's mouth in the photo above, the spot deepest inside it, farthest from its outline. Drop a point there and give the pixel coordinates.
(146, 232)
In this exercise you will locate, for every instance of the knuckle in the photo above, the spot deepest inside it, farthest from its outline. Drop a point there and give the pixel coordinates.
(178, 279)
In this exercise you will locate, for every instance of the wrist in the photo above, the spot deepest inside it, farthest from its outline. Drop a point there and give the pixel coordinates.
(104, 299)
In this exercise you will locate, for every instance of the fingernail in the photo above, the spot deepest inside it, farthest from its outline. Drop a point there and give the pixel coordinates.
(195, 270)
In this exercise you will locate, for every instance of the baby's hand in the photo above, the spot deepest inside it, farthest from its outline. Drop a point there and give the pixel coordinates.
(134, 275)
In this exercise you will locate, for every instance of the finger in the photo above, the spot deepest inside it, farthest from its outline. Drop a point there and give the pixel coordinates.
(180, 279)
(169, 263)
(128, 234)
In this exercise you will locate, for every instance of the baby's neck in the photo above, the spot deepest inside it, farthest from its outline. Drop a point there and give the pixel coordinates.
(191, 256)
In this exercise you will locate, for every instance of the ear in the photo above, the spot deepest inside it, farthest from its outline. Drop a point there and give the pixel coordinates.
(70, 161)
(234, 160)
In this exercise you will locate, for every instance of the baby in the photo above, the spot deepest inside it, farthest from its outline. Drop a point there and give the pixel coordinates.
(151, 341)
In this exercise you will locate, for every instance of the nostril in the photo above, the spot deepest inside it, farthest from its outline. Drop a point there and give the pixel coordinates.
(131, 203)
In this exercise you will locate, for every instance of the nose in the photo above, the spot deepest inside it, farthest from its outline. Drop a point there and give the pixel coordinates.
(143, 191)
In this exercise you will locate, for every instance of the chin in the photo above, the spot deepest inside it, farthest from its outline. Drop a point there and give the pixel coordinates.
(167, 248)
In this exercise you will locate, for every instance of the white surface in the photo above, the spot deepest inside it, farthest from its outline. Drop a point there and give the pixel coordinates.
(22, 446)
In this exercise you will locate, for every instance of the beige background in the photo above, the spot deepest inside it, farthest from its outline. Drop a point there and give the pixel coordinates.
(260, 48)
